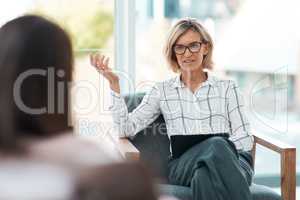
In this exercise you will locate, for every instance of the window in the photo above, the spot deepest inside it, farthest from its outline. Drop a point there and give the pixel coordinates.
(90, 24)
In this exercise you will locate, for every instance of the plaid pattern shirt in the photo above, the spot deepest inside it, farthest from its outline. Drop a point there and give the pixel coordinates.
(215, 107)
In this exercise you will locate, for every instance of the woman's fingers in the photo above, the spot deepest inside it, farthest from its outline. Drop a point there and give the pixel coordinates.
(94, 59)
(102, 57)
(97, 60)
(100, 62)
(106, 61)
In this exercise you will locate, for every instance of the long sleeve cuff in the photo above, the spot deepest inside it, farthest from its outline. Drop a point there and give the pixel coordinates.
(116, 101)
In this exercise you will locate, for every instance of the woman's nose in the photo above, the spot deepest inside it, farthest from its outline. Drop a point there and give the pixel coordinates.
(187, 52)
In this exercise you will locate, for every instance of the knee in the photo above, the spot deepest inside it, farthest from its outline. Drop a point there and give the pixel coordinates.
(217, 141)
(221, 144)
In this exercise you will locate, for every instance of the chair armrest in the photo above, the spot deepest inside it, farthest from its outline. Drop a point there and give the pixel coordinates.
(288, 163)
(128, 150)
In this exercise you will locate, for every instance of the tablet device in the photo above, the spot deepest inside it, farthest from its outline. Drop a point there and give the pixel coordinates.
(181, 143)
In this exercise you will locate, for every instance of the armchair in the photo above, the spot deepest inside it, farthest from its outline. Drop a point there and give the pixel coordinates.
(153, 148)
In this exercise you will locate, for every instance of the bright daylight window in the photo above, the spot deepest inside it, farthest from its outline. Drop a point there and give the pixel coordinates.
(90, 24)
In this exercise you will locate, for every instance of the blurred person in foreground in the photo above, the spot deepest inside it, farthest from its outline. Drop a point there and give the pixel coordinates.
(122, 181)
(36, 62)
(210, 137)
(40, 156)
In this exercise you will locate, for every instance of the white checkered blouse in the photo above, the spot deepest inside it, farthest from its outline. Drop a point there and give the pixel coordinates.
(215, 107)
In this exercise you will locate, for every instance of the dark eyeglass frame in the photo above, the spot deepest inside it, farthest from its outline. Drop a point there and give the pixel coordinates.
(187, 47)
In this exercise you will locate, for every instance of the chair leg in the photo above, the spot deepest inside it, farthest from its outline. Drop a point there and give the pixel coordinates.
(288, 174)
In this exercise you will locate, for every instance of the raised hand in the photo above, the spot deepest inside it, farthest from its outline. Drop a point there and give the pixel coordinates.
(100, 62)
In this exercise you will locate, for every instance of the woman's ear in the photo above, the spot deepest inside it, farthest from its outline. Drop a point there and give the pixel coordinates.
(206, 49)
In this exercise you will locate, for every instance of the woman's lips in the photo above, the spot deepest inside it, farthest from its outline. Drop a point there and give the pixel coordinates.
(188, 61)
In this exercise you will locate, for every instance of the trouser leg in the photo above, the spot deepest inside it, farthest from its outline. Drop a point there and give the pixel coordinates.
(199, 189)
(246, 163)
(220, 159)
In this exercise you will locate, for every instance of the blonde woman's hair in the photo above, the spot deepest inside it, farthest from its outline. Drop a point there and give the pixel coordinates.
(181, 27)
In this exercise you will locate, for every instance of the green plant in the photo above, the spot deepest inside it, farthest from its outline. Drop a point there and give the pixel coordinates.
(87, 30)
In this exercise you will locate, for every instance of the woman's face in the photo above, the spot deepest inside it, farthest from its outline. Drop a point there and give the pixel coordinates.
(189, 51)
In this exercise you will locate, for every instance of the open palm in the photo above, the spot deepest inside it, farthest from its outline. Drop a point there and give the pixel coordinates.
(100, 62)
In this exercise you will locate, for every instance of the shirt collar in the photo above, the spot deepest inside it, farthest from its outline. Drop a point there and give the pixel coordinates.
(179, 84)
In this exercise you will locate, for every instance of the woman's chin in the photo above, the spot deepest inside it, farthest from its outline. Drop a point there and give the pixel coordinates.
(189, 68)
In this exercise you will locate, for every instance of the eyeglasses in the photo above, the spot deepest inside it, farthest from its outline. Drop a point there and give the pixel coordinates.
(193, 47)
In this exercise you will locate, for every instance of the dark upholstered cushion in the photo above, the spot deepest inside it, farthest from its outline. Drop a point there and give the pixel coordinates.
(261, 192)
(184, 193)
(153, 143)
(181, 192)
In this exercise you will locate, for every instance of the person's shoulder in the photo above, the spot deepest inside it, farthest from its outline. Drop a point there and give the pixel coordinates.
(70, 150)
(169, 83)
